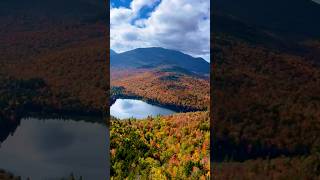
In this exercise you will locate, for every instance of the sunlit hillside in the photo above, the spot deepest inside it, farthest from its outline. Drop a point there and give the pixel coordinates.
(166, 86)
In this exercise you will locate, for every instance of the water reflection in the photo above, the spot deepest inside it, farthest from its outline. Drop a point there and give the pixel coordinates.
(53, 148)
(127, 108)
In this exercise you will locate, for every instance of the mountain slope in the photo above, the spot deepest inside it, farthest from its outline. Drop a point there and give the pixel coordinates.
(112, 52)
(292, 18)
(266, 89)
(161, 76)
(53, 41)
(179, 92)
(154, 57)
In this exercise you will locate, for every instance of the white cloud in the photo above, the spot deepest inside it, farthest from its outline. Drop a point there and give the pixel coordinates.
(182, 25)
(120, 16)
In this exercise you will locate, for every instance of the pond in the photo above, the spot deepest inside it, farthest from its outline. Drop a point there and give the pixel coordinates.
(55, 148)
(131, 108)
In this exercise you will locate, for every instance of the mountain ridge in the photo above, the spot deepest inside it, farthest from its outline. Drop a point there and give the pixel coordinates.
(158, 56)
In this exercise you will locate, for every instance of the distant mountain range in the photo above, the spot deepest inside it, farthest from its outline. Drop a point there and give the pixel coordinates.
(288, 18)
(155, 56)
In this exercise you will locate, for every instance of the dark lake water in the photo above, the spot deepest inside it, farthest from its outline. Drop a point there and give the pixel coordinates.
(128, 108)
(55, 148)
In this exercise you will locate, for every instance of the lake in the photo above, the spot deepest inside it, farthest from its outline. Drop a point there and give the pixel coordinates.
(131, 108)
(55, 148)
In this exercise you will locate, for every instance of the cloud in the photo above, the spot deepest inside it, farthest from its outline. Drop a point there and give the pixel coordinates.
(120, 16)
(182, 25)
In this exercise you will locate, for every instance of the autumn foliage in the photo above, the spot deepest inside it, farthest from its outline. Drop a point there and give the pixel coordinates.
(163, 147)
(171, 88)
(266, 106)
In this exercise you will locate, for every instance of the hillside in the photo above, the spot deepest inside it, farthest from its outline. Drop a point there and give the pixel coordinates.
(165, 77)
(175, 146)
(79, 71)
(305, 167)
(266, 90)
(65, 50)
(169, 88)
(272, 93)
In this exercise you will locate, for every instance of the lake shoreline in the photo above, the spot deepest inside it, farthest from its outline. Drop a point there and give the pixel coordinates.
(45, 111)
(125, 108)
(173, 107)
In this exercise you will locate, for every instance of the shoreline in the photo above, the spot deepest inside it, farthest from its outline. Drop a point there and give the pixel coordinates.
(46, 111)
(173, 107)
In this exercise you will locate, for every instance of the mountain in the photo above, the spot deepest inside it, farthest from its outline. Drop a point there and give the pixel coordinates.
(36, 11)
(155, 57)
(290, 18)
(112, 52)
(161, 76)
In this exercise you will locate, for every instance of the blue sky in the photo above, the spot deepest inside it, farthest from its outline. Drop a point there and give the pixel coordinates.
(126, 3)
(120, 3)
(182, 25)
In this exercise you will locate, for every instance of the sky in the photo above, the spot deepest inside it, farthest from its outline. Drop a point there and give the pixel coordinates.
(182, 25)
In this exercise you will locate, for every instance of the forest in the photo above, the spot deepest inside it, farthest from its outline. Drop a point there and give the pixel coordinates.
(266, 123)
(179, 91)
(169, 147)
(67, 59)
